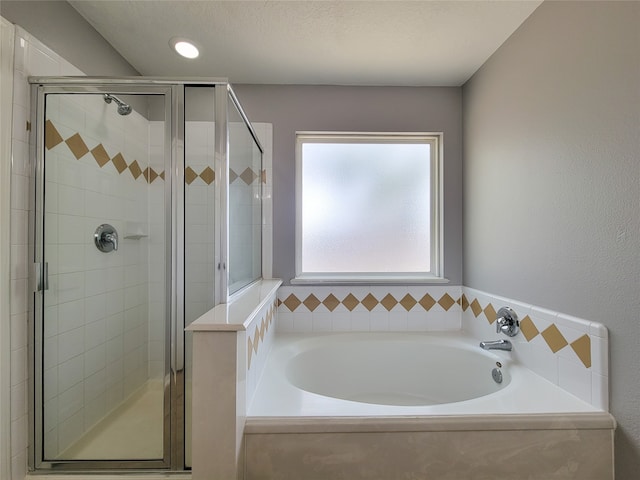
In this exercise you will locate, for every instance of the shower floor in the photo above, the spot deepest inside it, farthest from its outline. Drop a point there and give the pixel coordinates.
(132, 431)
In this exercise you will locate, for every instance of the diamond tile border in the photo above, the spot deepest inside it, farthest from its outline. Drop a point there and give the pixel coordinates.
(78, 147)
(248, 176)
(389, 301)
(255, 340)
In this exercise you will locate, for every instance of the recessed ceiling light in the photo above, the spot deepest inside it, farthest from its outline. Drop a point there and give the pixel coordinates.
(184, 47)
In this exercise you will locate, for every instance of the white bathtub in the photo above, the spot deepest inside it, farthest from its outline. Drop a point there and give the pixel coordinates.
(389, 374)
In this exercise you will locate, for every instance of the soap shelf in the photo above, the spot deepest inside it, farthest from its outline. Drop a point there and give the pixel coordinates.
(135, 231)
(135, 236)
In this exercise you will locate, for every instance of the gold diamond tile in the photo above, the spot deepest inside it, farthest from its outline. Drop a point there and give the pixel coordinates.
(528, 328)
(135, 170)
(311, 302)
(389, 302)
(476, 308)
(77, 146)
(150, 174)
(263, 329)
(189, 175)
(208, 175)
(248, 176)
(408, 302)
(464, 303)
(249, 352)
(490, 313)
(582, 347)
(101, 155)
(256, 336)
(446, 301)
(161, 175)
(233, 176)
(51, 135)
(350, 301)
(369, 302)
(263, 176)
(119, 162)
(331, 302)
(554, 338)
(427, 302)
(292, 302)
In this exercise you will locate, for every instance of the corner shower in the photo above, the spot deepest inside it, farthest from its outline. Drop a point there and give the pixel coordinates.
(146, 216)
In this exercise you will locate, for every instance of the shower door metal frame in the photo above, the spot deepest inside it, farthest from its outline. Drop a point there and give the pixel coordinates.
(173, 431)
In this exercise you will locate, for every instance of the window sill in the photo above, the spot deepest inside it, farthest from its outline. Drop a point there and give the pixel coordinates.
(367, 280)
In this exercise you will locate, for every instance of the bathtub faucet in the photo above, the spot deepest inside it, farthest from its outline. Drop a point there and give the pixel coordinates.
(497, 345)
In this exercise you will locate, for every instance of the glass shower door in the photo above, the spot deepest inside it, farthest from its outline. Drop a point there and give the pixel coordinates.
(103, 315)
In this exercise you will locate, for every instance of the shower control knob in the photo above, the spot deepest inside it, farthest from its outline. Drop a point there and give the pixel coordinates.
(507, 322)
(106, 238)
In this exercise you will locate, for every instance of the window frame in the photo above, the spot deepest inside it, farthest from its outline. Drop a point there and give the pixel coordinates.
(435, 275)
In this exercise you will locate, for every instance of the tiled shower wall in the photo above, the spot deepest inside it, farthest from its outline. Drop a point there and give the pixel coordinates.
(199, 218)
(31, 57)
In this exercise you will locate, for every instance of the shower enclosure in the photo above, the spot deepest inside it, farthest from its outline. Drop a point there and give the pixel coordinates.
(147, 213)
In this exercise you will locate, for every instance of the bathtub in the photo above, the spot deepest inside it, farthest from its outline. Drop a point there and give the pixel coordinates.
(388, 374)
(384, 406)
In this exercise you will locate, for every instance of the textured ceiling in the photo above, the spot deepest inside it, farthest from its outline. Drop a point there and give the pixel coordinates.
(311, 42)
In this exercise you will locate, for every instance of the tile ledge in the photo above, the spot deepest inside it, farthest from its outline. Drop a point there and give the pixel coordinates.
(240, 312)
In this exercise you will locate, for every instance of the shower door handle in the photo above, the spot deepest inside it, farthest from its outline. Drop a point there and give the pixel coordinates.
(41, 274)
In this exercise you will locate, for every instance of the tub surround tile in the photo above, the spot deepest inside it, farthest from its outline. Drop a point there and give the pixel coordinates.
(528, 328)
(554, 338)
(375, 308)
(569, 351)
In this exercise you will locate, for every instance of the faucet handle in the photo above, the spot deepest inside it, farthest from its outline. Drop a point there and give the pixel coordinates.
(507, 322)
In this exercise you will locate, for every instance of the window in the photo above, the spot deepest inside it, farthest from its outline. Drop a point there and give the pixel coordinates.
(368, 207)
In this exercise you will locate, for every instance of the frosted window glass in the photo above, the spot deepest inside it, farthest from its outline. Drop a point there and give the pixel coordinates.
(366, 207)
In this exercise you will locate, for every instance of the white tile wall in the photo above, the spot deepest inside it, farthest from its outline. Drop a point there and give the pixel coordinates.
(30, 58)
(564, 367)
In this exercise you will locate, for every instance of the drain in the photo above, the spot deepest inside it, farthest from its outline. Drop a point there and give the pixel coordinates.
(497, 375)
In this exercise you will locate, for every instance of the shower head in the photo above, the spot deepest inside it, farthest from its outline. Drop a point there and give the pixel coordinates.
(123, 108)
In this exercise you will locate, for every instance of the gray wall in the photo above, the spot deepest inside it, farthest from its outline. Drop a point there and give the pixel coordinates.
(552, 181)
(376, 109)
(64, 30)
